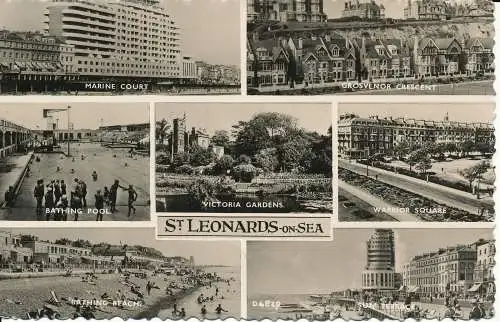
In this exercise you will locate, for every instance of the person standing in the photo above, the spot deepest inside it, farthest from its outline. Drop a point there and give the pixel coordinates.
(49, 203)
(38, 193)
(63, 188)
(83, 187)
(57, 192)
(9, 197)
(132, 197)
(113, 195)
(75, 205)
(99, 205)
(475, 313)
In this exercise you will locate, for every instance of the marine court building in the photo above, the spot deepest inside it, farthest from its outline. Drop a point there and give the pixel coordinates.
(131, 39)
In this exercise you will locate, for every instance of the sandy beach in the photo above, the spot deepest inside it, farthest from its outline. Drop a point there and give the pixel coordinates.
(228, 296)
(20, 296)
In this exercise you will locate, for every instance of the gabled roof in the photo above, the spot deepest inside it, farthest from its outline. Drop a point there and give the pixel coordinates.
(487, 43)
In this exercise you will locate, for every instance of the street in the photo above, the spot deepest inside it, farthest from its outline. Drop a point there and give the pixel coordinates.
(465, 88)
(444, 195)
(127, 170)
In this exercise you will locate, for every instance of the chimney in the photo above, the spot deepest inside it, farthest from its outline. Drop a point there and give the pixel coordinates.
(300, 43)
(416, 63)
(255, 37)
(346, 42)
(328, 38)
(282, 41)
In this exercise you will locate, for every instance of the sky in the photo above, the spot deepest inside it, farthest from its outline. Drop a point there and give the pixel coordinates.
(323, 267)
(225, 253)
(461, 112)
(82, 115)
(210, 29)
(222, 116)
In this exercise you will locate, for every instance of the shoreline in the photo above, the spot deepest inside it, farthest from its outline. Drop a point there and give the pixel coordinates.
(163, 303)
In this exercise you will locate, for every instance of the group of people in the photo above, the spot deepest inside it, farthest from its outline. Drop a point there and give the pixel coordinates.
(52, 199)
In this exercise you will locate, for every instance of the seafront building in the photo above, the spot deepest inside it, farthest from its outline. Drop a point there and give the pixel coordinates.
(31, 61)
(132, 39)
(336, 58)
(363, 9)
(378, 275)
(285, 10)
(361, 137)
(460, 269)
(17, 250)
(12, 137)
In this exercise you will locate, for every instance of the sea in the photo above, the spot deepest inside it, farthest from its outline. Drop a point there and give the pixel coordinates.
(230, 303)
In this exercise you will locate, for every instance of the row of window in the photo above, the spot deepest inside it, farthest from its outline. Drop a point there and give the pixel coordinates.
(128, 72)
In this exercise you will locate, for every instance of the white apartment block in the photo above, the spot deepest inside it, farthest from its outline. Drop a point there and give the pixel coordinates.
(118, 39)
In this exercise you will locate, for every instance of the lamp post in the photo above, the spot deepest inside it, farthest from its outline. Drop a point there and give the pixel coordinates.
(68, 130)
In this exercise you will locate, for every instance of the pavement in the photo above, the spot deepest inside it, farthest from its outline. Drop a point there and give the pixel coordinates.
(127, 170)
(378, 203)
(441, 194)
(480, 87)
(483, 87)
(16, 164)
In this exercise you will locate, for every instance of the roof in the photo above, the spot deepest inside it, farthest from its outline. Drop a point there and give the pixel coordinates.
(487, 43)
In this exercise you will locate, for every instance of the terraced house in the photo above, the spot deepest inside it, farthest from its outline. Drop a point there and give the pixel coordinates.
(360, 137)
(268, 62)
(335, 58)
(438, 56)
(480, 55)
(325, 59)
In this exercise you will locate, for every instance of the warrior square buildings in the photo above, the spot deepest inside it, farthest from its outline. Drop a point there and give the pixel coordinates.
(360, 137)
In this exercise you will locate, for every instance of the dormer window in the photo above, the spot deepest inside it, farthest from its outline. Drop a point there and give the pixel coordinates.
(336, 52)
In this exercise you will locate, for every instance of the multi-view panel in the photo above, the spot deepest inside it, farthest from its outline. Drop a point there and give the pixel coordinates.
(63, 273)
(316, 47)
(416, 162)
(111, 47)
(363, 274)
(74, 162)
(244, 157)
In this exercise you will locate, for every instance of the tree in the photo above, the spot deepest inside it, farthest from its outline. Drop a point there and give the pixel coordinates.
(244, 159)
(180, 159)
(267, 160)
(264, 130)
(414, 158)
(291, 153)
(161, 130)
(201, 157)
(223, 164)
(467, 147)
(401, 149)
(423, 165)
(475, 173)
(451, 147)
(484, 148)
(220, 138)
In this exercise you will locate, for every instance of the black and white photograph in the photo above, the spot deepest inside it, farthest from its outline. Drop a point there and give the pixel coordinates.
(373, 47)
(383, 274)
(416, 162)
(74, 162)
(62, 274)
(132, 47)
(244, 157)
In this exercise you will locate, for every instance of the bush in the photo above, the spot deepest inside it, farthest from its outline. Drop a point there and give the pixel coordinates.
(434, 179)
(245, 172)
(185, 169)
